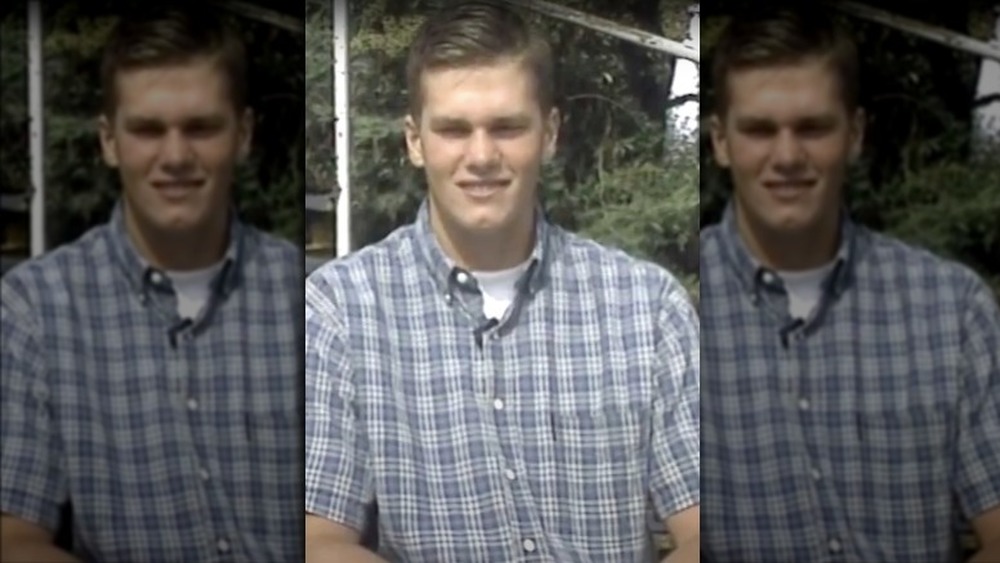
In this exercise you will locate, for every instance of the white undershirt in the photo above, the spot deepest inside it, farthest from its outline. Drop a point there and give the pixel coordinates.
(498, 289)
(804, 289)
(193, 288)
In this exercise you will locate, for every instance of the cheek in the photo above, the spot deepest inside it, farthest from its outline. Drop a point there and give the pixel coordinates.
(747, 158)
(136, 157)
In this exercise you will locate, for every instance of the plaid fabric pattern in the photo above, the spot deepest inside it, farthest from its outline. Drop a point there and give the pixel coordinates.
(867, 434)
(168, 451)
(552, 436)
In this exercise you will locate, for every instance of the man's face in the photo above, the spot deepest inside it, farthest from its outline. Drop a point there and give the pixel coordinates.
(787, 138)
(175, 139)
(481, 139)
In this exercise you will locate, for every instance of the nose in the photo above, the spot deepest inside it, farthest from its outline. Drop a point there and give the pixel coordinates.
(176, 153)
(788, 150)
(482, 150)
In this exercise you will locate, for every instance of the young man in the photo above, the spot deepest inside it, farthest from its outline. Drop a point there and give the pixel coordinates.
(851, 411)
(501, 389)
(149, 368)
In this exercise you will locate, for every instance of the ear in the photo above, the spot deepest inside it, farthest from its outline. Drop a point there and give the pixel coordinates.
(857, 133)
(551, 133)
(109, 145)
(246, 134)
(720, 143)
(414, 145)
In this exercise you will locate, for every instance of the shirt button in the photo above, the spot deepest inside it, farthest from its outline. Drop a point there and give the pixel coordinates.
(816, 475)
(462, 278)
(222, 545)
(192, 404)
(528, 545)
(768, 278)
(498, 404)
(834, 545)
(804, 404)
(203, 473)
(156, 278)
(509, 474)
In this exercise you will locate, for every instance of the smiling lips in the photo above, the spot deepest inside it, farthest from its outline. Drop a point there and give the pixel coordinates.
(175, 189)
(483, 188)
(788, 189)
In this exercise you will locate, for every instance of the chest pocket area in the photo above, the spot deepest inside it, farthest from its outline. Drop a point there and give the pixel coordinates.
(899, 435)
(605, 446)
(274, 449)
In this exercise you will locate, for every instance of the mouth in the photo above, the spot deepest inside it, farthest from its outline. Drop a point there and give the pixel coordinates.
(483, 188)
(784, 189)
(173, 189)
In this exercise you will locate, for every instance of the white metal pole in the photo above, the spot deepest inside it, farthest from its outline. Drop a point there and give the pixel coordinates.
(623, 32)
(683, 121)
(930, 32)
(986, 118)
(36, 127)
(341, 124)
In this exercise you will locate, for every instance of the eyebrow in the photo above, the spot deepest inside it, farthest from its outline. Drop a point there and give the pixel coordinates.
(506, 120)
(210, 120)
(822, 120)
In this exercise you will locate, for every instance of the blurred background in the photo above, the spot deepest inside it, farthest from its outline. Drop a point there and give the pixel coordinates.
(79, 190)
(930, 169)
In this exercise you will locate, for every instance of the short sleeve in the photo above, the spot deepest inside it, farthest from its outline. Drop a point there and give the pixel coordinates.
(32, 483)
(675, 460)
(337, 479)
(977, 463)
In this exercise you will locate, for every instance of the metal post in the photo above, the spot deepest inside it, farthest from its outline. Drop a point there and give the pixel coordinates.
(930, 32)
(683, 118)
(341, 124)
(623, 32)
(986, 118)
(36, 127)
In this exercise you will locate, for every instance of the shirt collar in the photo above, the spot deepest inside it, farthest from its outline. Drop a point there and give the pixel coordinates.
(445, 276)
(142, 276)
(752, 275)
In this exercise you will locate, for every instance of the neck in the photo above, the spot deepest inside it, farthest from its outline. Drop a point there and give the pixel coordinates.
(179, 251)
(485, 252)
(790, 252)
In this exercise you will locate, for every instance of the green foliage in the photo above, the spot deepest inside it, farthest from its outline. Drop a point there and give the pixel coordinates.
(615, 177)
(919, 178)
(80, 189)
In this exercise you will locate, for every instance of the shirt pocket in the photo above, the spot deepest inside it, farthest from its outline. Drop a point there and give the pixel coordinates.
(611, 437)
(271, 481)
(905, 432)
(600, 475)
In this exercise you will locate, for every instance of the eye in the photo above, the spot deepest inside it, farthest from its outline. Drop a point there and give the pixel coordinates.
(758, 131)
(203, 129)
(146, 130)
(815, 130)
(508, 130)
(452, 131)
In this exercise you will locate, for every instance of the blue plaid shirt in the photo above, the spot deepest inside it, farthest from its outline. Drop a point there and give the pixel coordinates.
(868, 433)
(170, 446)
(552, 436)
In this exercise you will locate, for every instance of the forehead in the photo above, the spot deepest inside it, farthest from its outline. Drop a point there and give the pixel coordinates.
(193, 87)
(482, 91)
(795, 89)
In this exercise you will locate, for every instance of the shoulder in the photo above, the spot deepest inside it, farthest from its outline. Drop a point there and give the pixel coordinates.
(354, 278)
(53, 277)
(615, 272)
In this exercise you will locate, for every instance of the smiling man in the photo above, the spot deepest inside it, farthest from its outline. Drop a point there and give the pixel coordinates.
(150, 367)
(500, 389)
(852, 406)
